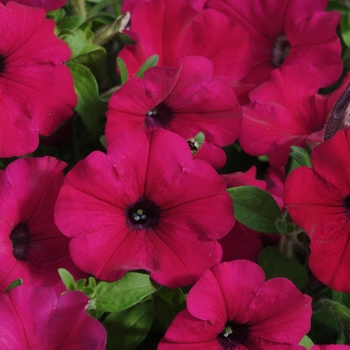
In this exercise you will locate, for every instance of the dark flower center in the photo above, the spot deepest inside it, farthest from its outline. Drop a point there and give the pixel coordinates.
(2, 63)
(233, 335)
(280, 51)
(159, 116)
(346, 205)
(144, 214)
(20, 240)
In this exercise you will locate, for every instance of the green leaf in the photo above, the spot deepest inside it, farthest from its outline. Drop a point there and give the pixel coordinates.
(122, 70)
(72, 22)
(324, 328)
(128, 328)
(76, 42)
(80, 284)
(92, 282)
(255, 208)
(120, 295)
(57, 15)
(167, 304)
(275, 264)
(307, 342)
(150, 62)
(86, 89)
(93, 57)
(67, 279)
(16, 283)
(301, 156)
(345, 28)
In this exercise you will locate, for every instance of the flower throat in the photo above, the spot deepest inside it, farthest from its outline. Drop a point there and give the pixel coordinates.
(20, 239)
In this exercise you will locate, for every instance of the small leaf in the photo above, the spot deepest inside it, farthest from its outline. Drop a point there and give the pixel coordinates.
(72, 22)
(128, 328)
(255, 208)
(307, 342)
(120, 295)
(67, 279)
(16, 283)
(88, 291)
(122, 70)
(103, 141)
(150, 62)
(345, 28)
(86, 89)
(80, 284)
(92, 283)
(275, 264)
(301, 156)
(57, 15)
(75, 41)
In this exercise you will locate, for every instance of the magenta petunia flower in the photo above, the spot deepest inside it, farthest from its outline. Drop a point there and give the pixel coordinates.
(145, 205)
(185, 100)
(292, 33)
(285, 111)
(32, 248)
(36, 88)
(318, 200)
(48, 5)
(232, 307)
(37, 319)
(156, 29)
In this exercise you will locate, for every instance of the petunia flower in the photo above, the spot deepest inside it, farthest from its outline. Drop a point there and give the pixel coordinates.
(286, 111)
(156, 29)
(185, 100)
(48, 5)
(32, 248)
(36, 88)
(317, 199)
(286, 33)
(232, 307)
(37, 319)
(146, 205)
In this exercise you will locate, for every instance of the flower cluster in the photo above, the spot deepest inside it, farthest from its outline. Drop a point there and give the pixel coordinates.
(175, 174)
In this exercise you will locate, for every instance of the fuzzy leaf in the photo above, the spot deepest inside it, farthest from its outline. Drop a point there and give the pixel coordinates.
(67, 279)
